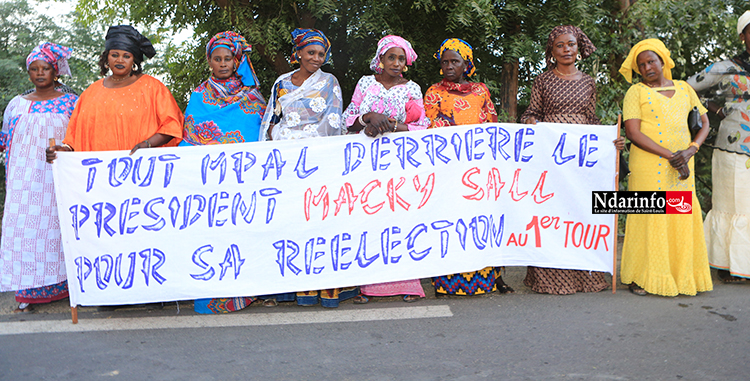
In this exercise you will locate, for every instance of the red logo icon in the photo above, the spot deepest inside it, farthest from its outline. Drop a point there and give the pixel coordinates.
(679, 202)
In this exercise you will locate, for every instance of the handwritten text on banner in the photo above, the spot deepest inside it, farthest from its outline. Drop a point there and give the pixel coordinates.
(263, 218)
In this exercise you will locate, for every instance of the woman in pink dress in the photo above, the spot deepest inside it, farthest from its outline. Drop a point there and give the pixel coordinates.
(388, 102)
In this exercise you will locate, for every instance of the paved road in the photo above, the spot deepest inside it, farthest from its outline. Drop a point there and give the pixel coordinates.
(510, 337)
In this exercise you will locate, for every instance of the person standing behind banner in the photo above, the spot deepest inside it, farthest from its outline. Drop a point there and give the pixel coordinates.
(306, 103)
(662, 254)
(31, 254)
(451, 102)
(127, 110)
(388, 102)
(564, 94)
(727, 224)
(227, 108)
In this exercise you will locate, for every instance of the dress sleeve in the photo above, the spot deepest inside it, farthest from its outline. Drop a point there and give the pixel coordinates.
(488, 109)
(591, 107)
(168, 115)
(703, 80)
(5, 132)
(331, 123)
(536, 104)
(415, 106)
(352, 111)
(631, 105)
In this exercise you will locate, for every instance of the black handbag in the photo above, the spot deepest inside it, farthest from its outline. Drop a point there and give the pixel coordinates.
(694, 121)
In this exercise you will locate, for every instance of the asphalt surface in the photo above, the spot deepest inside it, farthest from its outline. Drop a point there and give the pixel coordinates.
(524, 336)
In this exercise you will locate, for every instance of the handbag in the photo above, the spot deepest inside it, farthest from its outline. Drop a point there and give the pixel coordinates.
(694, 121)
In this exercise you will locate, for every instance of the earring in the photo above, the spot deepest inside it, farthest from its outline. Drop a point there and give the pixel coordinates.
(553, 60)
(57, 78)
(135, 67)
(106, 65)
(578, 57)
(406, 68)
(380, 65)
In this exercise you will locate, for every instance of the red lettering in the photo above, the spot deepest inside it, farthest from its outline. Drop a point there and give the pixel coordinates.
(537, 193)
(365, 194)
(494, 182)
(514, 194)
(567, 230)
(346, 196)
(479, 194)
(426, 191)
(602, 236)
(393, 197)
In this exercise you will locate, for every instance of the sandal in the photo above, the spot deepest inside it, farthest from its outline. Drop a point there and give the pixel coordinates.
(502, 287)
(411, 298)
(636, 289)
(727, 278)
(270, 303)
(24, 308)
(361, 299)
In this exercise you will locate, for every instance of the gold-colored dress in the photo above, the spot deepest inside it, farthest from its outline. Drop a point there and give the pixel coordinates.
(665, 254)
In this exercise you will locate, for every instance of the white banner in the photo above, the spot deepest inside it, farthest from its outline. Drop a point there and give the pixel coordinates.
(262, 218)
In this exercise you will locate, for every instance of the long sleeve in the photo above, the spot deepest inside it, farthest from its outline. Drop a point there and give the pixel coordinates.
(536, 105)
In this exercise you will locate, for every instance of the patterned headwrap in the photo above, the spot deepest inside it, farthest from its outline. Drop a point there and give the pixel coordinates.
(462, 48)
(125, 37)
(585, 46)
(391, 41)
(240, 49)
(743, 21)
(303, 37)
(53, 54)
(630, 64)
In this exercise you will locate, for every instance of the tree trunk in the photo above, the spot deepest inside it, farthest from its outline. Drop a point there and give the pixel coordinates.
(509, 89)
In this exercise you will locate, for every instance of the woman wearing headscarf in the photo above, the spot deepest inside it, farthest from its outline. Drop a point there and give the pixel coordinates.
(386, 101)
(663, 254)
(727, 225)
(227, 108)
(31, 256)
(564, 94)
(451, 102)
(306, 103)
(126, 110)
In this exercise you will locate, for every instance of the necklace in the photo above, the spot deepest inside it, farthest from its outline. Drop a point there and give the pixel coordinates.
(113, 79)
(565, 75)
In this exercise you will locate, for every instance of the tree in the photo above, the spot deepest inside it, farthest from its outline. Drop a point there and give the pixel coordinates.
(21, 29)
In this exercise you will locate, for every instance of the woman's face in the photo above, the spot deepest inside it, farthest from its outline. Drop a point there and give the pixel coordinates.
(565, 49)
(394, 61)
(311, 58)
(650, 66)
(222, 63)
(745, 37)
(42, 74)
(120, 62)
(453, 65)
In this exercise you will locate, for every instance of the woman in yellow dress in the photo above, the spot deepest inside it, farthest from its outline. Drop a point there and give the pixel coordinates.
(663, 254)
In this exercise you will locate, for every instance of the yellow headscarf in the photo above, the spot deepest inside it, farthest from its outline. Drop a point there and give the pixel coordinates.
(630, 65)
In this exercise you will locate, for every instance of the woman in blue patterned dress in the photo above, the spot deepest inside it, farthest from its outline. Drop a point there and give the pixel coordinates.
(227, 108)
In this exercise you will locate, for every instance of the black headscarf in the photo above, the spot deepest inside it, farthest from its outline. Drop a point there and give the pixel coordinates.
(125, 37)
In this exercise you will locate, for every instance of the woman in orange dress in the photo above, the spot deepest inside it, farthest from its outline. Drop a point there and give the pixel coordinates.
(127, 109)
(451, 102)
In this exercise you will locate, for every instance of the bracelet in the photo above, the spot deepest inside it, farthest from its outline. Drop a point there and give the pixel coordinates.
(148, 143)
(720, 110)
(696, 145)
(362, 121)
(67, 146)
(395, 127)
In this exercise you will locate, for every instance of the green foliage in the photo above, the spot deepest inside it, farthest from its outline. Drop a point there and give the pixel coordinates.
(21, 29)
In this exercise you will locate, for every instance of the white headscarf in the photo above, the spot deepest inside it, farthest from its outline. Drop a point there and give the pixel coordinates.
(743, 21)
